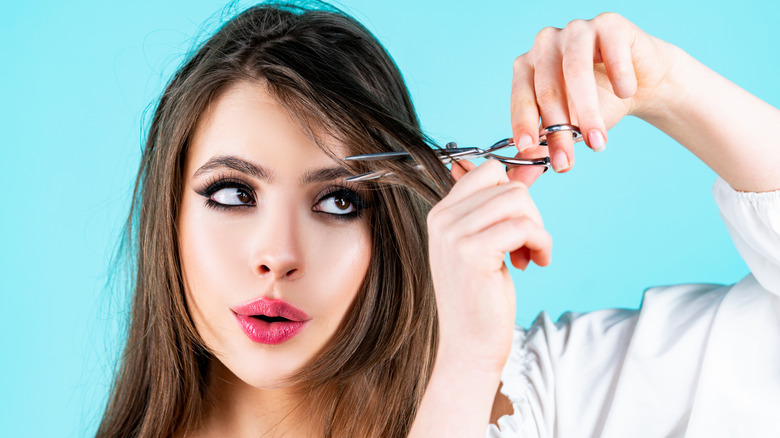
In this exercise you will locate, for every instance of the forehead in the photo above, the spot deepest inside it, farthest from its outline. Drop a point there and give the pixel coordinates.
(246, 121)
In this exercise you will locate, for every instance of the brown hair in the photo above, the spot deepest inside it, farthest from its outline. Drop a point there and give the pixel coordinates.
(336, 79)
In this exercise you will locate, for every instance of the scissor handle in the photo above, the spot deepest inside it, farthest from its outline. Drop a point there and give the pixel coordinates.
(543, 133)
(575, 132)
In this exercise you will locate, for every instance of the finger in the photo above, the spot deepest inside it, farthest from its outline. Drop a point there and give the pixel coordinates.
(488, 174)
(524, 114)
(460, 168)
(521, 258)
(512, 235)
(492, 206)
(577, 65)
(525, 174)
(615, 41)
(551, 98)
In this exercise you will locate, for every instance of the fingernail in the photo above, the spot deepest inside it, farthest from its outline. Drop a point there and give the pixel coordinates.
(524, 142)
(596, 141)
(560, 161)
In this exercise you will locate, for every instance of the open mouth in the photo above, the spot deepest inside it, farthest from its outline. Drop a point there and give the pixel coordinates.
(270, 319)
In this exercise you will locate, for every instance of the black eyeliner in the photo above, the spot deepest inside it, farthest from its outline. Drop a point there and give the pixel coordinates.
(225, 182)
(348, 194)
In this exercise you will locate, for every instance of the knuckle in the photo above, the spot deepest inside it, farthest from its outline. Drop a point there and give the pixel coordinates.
(618, 68)
(494, 166)
(434, 219)
(510, 199)
(518, 185)
(523, 109)
(520, 225)
(573, 66)
(588, 116)
(578, 25)
(609, 19)
(517, 190)
(451, 239)
(548, 240)
(520, 62)
(518, 198)
(468, 245)
(441, 230)
(547, 95)
(547, 34)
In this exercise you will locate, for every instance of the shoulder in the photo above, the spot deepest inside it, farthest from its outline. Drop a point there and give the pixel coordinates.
(568, 369)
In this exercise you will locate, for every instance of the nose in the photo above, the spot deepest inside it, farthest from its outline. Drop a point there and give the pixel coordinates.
(276, 248)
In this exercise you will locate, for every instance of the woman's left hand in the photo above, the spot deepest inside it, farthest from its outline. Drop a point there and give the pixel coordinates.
(591, 74)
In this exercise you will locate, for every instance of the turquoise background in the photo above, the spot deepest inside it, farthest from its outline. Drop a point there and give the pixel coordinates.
(78, 79)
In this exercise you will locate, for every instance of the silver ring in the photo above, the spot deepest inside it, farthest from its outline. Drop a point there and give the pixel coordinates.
(575, 132)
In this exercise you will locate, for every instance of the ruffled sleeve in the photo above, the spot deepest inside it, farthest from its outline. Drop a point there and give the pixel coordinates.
(562, 366)
(753, 220)
(660, 370)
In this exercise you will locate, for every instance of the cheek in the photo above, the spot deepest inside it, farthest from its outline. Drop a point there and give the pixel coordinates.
(209, 263)
(216, 249)
(338, 264)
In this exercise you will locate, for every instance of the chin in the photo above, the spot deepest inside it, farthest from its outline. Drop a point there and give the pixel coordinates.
(263, 368)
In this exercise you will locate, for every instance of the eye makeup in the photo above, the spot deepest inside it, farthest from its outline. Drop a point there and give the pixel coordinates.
(347, 197)
(229, 193)
(243, 192)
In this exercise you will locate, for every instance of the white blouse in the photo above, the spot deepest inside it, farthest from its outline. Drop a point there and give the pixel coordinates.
(696, 360)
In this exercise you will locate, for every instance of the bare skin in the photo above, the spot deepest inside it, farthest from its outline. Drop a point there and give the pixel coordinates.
(591, 73)
(286, 233)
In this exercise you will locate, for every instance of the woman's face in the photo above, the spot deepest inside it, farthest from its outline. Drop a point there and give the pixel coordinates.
(273, 243)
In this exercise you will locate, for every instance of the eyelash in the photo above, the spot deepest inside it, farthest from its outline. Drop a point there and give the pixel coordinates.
(333, 191)
(336, 191)
(219, 183)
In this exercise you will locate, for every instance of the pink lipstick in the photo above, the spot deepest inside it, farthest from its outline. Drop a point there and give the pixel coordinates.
(269, 321)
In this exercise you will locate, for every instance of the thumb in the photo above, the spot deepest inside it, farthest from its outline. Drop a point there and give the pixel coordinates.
(460, 168)
(525, 174)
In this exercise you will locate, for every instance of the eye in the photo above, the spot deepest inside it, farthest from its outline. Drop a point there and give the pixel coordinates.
(341, 203)
(227, 193)
(232, 196)
(336, 205)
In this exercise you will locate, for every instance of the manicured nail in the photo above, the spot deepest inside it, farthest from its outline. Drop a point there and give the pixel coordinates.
(596, 141)
(524, 142)
(560, 161)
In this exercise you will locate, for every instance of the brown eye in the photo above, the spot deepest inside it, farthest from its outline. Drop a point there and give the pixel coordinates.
(243, 197)
(342, 203)
(336, 204)
(232, 196)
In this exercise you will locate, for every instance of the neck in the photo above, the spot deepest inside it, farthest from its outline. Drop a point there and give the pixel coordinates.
(236, 409)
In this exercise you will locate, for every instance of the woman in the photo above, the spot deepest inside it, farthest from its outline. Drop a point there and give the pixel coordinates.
(261, 275)
(695, 360)
(273, 299)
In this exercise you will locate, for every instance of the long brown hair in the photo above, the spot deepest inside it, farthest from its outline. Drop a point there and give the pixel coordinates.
(337, 80)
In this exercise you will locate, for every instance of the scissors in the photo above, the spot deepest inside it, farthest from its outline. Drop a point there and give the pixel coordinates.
(452, 153)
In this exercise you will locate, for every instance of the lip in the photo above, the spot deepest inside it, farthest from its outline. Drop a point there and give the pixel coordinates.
(266, 332)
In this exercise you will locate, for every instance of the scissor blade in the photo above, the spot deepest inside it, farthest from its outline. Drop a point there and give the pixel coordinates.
(368, 176)
(442, 153)
(377, 157)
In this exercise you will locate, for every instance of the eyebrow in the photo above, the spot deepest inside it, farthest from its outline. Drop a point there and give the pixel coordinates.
(310, 176)
(234, 163)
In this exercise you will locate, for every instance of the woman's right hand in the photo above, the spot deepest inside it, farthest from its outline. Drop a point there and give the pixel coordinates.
(484, 216)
